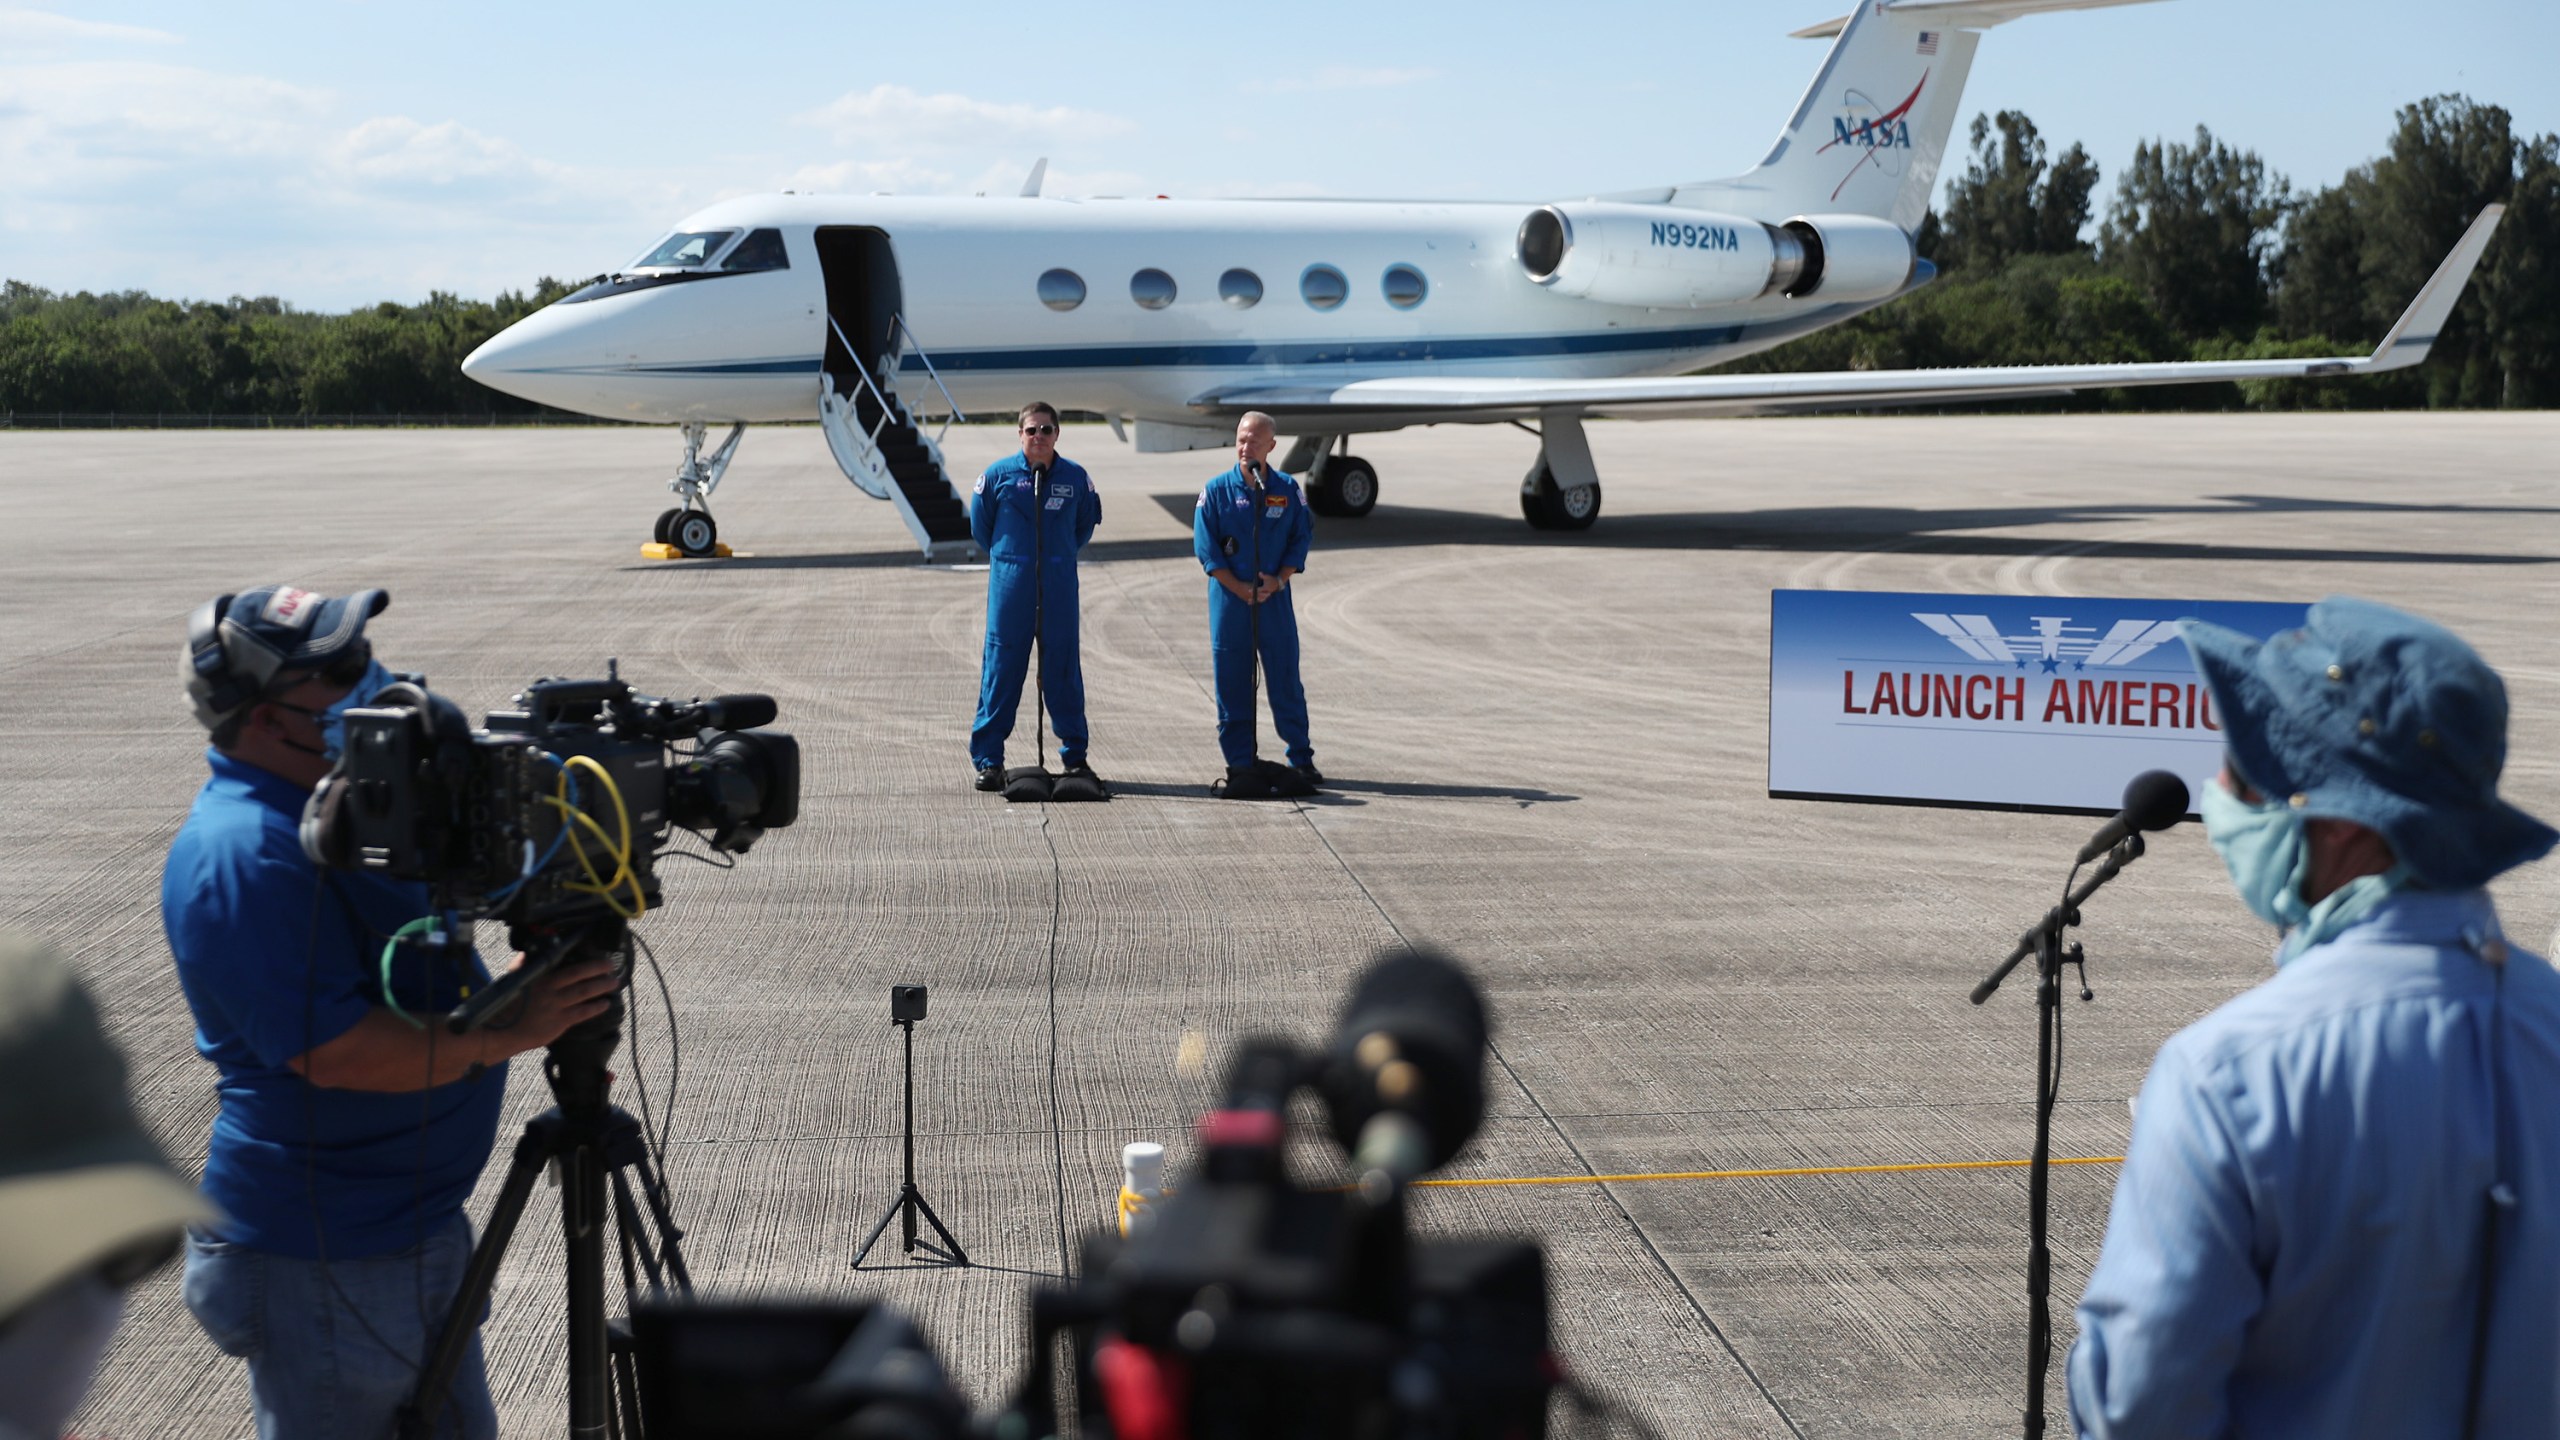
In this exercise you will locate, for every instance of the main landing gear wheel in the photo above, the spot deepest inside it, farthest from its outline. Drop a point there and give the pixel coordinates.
(693, 533)
(1349, 489)
(666, 522)
(1548, 508)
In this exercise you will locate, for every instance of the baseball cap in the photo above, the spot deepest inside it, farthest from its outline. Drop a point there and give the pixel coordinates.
(238, 644)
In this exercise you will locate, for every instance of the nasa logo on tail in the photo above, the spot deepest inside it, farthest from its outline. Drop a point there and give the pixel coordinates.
(1878, 136)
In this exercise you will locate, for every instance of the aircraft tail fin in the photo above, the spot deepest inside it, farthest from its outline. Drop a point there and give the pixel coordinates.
(1871, 131)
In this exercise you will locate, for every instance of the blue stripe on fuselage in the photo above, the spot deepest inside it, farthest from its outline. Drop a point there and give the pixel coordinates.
(1256, 355)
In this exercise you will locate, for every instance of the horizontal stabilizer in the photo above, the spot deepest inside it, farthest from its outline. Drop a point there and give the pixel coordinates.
(1971, 14)
(1425, 400)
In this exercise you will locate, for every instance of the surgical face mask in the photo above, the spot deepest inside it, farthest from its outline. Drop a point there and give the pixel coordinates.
(332, 718)
(2263, 847)
(2268, 852)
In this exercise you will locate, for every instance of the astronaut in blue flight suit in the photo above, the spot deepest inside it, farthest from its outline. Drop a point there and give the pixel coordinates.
(1250, 531)
(1031, 513)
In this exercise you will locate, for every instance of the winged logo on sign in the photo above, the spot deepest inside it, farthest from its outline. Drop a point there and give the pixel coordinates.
(2053, 641)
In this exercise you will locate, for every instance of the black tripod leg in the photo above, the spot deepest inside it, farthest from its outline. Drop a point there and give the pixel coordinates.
(958, 1255)
(417, 1418)
(879, 1230)
(648, 1244)
(639, 1248)
(670, 1250)
(583, 1217)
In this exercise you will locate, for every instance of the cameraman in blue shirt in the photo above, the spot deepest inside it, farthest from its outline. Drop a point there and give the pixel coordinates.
(352, 1126)
(2340, 1212)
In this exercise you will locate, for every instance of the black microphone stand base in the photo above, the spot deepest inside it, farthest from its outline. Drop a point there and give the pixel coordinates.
(1029, 785)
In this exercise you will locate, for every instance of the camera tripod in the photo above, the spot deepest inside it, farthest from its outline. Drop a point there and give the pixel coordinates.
(911, 1201)
(592, 1142)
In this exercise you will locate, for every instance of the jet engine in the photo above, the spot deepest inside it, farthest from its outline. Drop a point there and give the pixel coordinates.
(1662, 257)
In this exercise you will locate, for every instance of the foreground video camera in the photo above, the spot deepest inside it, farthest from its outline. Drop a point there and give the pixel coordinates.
(1254, 1307)
(557, 810)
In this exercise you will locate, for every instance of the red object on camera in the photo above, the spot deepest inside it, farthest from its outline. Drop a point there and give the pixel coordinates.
(1145, 1393)
(1240, 1127)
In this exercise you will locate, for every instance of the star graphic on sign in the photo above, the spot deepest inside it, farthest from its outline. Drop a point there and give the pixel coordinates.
(2022, 662)
(2079, 664)
(2050, 666)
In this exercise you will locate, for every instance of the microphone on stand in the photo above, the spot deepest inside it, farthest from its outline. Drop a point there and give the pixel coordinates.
(2153, 800)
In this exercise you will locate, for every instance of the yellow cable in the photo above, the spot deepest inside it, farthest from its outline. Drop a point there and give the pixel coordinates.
(1770, 1174)
(572, 818)
(620, 849)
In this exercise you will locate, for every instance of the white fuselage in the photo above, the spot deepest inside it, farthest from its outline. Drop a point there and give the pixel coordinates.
(748, 347)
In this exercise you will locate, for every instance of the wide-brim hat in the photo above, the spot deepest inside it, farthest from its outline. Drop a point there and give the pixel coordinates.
(2373, 715)
(81, 1183)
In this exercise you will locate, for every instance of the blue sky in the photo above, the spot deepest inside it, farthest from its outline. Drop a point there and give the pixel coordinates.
(339, 152)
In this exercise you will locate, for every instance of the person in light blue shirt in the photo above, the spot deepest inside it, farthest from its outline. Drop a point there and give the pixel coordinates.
(2339, 1215)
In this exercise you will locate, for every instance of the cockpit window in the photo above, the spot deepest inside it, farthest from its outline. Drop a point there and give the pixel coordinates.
(761, 250)
(685, 248)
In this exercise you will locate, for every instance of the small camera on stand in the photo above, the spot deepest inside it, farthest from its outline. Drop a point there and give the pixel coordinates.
(906, 1004)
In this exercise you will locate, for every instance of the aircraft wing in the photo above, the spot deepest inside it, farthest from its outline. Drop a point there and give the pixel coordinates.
(1496, 398)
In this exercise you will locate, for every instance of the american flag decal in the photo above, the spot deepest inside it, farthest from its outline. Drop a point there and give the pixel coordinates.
(1928, 42)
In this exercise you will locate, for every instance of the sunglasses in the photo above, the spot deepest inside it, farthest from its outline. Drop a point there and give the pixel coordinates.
(1039, 429)
(347, 669)
(342, 671)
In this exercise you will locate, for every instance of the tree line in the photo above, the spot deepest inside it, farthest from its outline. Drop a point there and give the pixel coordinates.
(2202, 254)
(133, 354)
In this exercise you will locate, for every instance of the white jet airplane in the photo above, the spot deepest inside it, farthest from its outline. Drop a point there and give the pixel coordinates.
(1337, 317)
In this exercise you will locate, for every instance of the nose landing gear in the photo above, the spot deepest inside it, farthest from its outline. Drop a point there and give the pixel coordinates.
(688, 530)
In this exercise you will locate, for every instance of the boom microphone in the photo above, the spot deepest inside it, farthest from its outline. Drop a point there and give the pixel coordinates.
(2153, 800)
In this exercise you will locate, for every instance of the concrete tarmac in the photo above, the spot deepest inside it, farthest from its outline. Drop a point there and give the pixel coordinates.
(1548, 755)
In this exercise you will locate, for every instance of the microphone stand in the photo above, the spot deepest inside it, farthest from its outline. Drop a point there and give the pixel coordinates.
(2045, 942)
(1039, 626)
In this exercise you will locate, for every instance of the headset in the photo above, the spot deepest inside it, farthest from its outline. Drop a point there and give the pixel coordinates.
(219, 689)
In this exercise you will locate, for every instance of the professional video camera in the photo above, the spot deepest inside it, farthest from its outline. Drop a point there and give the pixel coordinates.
(552, 818)
(1251, 1307)
(558, 808)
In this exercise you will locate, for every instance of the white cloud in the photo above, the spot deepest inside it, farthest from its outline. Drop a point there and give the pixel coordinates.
(894, 118)
(25, 30)
(1352, 77)
(191, 182)
(865, 177)
(394, 152)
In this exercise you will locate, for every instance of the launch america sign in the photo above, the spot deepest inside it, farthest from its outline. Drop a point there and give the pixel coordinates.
(2014, 702)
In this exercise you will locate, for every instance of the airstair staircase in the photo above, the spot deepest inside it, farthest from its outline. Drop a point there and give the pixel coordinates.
(880, 448)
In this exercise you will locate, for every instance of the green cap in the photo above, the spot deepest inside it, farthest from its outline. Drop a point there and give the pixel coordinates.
(81, 1182)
